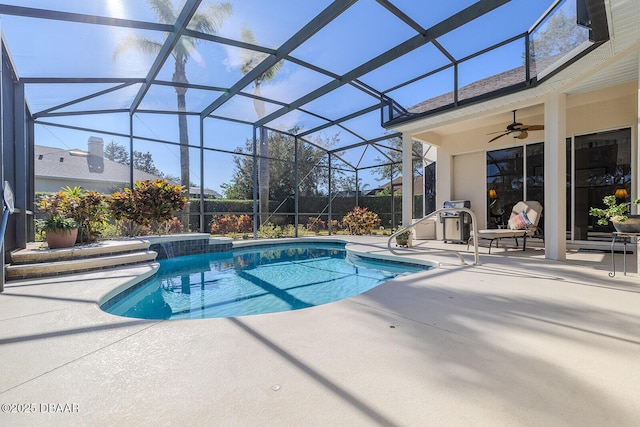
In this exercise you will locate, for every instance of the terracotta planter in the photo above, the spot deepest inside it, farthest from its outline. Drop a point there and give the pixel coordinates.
(57, 239)
(631, 225)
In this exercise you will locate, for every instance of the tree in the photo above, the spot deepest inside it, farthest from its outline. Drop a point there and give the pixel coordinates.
(389, 170)
(559, 35)
(312, 164)
(208, 21)
(250, 59)
(144, 162)
(141, 161)
(116, 153)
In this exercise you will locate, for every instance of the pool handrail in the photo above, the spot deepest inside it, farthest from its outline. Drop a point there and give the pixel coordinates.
(436, 212)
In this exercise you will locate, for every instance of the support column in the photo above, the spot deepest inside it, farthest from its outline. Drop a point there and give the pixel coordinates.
(20, 186)
(635, 170)
(555, 173)
(407, 180)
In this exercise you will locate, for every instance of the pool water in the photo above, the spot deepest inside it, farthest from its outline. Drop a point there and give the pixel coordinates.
(253, 281)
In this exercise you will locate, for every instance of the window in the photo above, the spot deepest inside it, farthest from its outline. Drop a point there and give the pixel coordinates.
(602, 165)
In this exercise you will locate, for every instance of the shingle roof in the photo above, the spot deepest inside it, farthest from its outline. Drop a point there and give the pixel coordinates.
(487, 85)
(52, 162)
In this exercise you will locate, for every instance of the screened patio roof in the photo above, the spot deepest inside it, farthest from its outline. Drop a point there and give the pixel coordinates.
(344, 67)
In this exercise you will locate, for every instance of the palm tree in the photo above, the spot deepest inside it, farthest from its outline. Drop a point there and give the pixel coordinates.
(208, 21)
(250, 59)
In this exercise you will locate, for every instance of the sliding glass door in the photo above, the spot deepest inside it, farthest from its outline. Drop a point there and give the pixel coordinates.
(513, 174)
(602, 163)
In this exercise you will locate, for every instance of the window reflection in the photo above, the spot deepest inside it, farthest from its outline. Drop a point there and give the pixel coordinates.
(506, 178)
(602, 165)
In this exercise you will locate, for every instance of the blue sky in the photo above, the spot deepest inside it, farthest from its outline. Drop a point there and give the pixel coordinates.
(48, 48)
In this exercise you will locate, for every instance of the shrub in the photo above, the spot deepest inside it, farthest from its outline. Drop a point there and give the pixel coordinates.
(173, 226)
(269, 231)
(150, 203)
(360, 221)
(316, 224)
(245, 224)
(226, 224)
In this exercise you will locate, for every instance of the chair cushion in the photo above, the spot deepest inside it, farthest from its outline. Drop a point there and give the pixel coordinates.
(502, 233)
(519, 222)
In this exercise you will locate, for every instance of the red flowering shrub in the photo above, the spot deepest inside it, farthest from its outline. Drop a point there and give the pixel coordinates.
(245, 224)
(316, 224)
(225, 224)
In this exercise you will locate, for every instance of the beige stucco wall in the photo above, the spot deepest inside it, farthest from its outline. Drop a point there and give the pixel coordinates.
(613, 108)
(473, 190)
(53, 185)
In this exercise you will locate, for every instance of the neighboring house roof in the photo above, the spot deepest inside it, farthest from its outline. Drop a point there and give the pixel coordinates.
(195, 191)
(52, 162)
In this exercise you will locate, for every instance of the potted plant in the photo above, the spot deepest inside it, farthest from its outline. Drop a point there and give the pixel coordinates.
(617, 214)
(404, 238)
(87, 208)
(61, 232)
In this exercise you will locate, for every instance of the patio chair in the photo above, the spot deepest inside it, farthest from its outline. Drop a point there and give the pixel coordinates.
(523, 222)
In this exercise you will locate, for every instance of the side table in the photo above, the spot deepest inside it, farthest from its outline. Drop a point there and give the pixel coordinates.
(624, 238)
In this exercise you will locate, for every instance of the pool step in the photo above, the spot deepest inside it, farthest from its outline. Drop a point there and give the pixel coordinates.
(38, 262)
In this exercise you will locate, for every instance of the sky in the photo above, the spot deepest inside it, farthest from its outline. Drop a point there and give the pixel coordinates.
(48, 48)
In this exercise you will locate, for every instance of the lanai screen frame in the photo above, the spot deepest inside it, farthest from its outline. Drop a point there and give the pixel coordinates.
(390, 111)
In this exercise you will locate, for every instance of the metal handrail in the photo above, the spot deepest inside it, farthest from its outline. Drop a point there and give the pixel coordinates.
(436, 212)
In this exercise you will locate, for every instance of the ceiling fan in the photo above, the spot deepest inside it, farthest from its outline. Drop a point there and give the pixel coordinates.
(518, 130)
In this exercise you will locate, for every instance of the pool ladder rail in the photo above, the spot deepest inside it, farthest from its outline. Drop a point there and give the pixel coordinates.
(434, 213)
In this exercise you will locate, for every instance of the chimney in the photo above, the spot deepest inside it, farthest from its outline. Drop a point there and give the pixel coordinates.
(95, 159)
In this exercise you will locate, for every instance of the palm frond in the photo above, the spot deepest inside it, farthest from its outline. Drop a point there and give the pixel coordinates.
(271, 73)
(164, 11)
(136, 42)
(251, 58)
(210, 19)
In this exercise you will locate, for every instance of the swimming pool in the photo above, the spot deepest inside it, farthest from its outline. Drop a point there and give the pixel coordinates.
(255, 280)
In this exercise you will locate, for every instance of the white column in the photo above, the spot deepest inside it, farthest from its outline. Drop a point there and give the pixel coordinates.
(555, 154)
(407, 180)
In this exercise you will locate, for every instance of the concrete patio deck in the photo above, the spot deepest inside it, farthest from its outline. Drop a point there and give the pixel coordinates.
(516, 341)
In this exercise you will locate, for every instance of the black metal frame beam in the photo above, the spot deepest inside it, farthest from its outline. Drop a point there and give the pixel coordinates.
(316, 24)
(189, 9)
(55, 15)
(466, 15)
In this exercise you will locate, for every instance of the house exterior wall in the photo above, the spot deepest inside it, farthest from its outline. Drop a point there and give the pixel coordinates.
(465, 152)
(464, 189)
(53, 185)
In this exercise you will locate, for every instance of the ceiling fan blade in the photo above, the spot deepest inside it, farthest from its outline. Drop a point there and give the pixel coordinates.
(523, 135)
(534, 127)
(499, 136)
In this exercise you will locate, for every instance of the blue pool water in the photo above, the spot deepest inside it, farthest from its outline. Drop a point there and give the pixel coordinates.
(253, 281)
